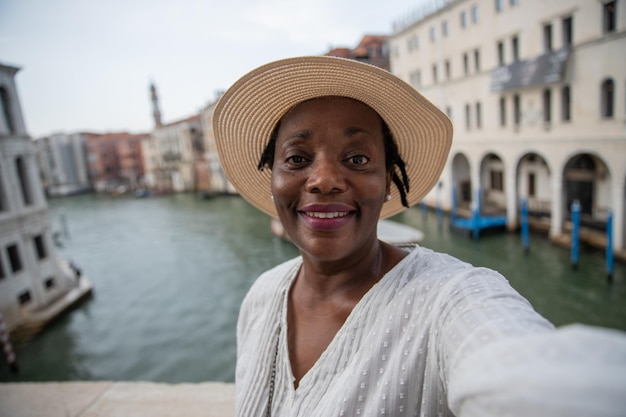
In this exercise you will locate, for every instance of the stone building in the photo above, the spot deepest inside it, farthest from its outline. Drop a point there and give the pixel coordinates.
(35, 284)
(535, 90)
(62, 164)
(218, 183)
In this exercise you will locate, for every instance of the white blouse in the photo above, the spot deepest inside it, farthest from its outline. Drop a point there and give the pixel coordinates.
(419, 343)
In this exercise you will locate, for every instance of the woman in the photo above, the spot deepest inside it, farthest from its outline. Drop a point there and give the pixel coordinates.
(355, 326)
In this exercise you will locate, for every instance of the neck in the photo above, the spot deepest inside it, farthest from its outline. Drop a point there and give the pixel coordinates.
(350, 278)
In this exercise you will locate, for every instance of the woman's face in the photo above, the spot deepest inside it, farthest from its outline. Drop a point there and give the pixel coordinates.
(328, 178)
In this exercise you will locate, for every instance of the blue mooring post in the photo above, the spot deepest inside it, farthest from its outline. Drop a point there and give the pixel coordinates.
(575, 232)
(609, 246)
(525, 227)
(424, 208)
(454, 203)
(476, 216)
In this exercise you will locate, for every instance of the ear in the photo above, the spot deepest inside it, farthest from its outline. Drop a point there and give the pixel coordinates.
(389, 177)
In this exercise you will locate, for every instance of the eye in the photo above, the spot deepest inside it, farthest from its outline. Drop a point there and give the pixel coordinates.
(295, 160)
(358, 160)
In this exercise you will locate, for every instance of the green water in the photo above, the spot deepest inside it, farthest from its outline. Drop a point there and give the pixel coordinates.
(170, 272)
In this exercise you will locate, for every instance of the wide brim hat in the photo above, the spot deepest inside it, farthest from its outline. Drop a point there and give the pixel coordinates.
(249, 110)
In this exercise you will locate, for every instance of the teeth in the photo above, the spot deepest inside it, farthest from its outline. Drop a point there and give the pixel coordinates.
(325, 215)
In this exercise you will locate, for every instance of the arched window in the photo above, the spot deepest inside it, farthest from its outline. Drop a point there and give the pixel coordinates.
(24, 180)
(607, 94)
(6, 110)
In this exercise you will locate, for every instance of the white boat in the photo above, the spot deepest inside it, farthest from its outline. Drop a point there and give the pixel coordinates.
(388, 231)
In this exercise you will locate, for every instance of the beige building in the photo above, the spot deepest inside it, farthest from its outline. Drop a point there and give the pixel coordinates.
(170, 154)
(536, 91)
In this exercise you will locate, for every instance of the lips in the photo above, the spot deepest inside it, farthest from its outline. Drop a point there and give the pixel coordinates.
(327, 217)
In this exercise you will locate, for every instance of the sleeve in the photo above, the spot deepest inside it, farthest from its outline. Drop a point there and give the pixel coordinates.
(574, 371)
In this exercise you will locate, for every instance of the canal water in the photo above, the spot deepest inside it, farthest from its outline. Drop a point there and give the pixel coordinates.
(170, 272)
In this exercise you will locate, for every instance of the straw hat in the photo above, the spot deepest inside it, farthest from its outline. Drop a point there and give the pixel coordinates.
(247, 113)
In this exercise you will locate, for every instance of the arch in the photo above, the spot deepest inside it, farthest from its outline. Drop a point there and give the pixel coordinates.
(587, 179)
(532, 182)
(7, 114)
(492, 185)
(462, 180)
(607, 97)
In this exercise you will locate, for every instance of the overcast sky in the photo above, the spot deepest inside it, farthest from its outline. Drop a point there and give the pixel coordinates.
(87, 65)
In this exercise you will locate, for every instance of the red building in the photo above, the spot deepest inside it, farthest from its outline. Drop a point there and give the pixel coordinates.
(114, 161)
(372, 49)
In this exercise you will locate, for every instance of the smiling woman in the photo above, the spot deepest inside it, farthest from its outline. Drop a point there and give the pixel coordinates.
(355, 325)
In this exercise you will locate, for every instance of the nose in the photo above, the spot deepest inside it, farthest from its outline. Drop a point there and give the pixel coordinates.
(325, 177)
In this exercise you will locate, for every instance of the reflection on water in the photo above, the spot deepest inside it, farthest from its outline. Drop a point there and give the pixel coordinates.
(170, 272)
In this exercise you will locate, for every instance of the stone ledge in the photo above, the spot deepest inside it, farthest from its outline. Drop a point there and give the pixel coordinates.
(117, 399)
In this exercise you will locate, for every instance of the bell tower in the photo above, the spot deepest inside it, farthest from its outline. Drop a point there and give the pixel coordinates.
(156, 113)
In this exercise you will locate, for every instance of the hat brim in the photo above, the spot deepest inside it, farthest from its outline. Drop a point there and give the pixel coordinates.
(247, 113)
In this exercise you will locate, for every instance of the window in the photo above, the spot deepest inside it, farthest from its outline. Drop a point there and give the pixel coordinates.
(547, 37)
(432, 34)
(465, 64)
(547, 106)
(7, 115)
(447, 67)
(496, 180)
(500, 53)
(413, 43)
(609, 17)
(24, 297)
(513, 2)
(502, 111)
(22, 175)
(517, 113)
(607, 95)
(498, 5)
(444, 28)
(467, 117)
(566, 104)
(14, 258)
(463, 19)
(449, 112)
(49, 283)
(478, 116)
(531, 184)
(515, 48)
(416, 78)
(435, 73)
(40, 248)
(2, 275)
(475, 14)
(477, 60)
(568, 35)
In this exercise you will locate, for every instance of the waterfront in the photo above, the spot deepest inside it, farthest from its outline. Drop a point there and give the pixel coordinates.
(170, 272)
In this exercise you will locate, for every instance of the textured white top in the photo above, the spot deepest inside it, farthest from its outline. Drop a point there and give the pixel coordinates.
(408, 348)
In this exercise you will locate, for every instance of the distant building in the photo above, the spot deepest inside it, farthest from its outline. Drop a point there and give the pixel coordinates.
(35, 284)
(115, 161)
(535, 90)
(62, 164)
(372, 49)
(171, 155)
(218, 183)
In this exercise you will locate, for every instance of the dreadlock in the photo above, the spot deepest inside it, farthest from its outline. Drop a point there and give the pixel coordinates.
(393, 161)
